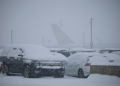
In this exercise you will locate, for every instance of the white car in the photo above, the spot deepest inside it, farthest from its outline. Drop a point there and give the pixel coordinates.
(112, 57)
(79, 64)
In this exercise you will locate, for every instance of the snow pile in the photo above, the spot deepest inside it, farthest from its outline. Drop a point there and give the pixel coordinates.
(104, 79)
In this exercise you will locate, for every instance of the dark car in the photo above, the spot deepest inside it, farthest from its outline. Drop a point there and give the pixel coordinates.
(31, 61)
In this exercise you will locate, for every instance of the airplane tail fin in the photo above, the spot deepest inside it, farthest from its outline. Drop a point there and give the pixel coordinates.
(61, 37)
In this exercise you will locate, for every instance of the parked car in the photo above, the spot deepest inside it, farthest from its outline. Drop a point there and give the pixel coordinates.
(76, 50)
(31, 61)
(63, 51)
(109, 50)
(78, 64)
(112, 57)
(59, 55)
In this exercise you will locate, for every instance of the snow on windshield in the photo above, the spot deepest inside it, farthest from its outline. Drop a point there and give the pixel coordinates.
(97, 59)
(35, 49)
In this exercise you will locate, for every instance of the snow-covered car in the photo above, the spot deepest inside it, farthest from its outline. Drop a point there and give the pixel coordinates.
(78, 64)
(63, 51)
(109, 50)
(31, 60)
(112, 57)
(58, 55)
(76, 50)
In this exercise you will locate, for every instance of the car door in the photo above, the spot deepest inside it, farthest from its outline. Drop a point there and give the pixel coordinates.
(19, 61)
(68, 66)
(76, 65)
(72, 65)
(12, 59)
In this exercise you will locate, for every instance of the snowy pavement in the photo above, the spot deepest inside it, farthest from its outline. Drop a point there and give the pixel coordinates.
(92, 80)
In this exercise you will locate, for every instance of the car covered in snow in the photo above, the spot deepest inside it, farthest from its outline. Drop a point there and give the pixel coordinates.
(59, 55)
(78, 64)
(63, 51)
(31, 60)
(76, 50)
(109, 50)
(112, 57)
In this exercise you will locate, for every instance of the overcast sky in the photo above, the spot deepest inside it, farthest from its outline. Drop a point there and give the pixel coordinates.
(30, 20)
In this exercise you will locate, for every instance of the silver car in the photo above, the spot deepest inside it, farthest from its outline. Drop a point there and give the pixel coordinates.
(79, 64)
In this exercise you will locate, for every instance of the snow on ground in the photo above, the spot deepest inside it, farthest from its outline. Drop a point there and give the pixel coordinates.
(92, 80)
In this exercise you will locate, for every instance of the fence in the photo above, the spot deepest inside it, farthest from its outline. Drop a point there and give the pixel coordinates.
(105, 69)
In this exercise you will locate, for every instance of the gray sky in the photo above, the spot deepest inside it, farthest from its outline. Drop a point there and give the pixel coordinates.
(31, 19)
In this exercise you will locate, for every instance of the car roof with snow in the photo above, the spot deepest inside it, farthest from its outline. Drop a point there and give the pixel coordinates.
(85, 55)
(57, 49)
(81, 49)
(32, 51)
(28, 48)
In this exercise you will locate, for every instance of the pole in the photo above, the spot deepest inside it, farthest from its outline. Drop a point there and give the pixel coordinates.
(11, 37)
(91, 34)
(48, 43)
(83, 40)
(43, 40)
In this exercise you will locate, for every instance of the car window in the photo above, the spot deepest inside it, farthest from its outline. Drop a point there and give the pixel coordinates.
(12, 53)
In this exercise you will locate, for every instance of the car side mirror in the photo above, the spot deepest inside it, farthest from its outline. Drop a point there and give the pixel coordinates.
(21, 54)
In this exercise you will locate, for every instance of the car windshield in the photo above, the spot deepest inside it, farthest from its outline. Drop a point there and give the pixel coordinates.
(36, 50)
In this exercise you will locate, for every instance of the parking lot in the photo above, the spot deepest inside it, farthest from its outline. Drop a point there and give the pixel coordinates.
(92, 80)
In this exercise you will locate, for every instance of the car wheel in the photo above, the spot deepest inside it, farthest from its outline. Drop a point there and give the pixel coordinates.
(80, 73)
(58, 74)
(5, 70)
(26, 72)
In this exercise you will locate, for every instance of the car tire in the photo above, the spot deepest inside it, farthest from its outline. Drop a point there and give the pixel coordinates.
(27, 72)
(57, 74)
(80, 73)
(5, 70)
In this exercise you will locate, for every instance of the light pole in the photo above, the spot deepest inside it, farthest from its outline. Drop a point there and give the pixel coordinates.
(43, 40)
(91, 44)
(11, 36)
(83, 40)
(48, 43)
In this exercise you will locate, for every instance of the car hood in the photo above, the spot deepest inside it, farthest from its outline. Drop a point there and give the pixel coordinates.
(42, 57)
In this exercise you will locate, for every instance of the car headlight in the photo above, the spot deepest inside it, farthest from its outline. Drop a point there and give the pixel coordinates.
(37, 63)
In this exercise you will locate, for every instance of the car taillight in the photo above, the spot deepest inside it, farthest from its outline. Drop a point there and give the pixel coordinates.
(111, 60)
(87, 64)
